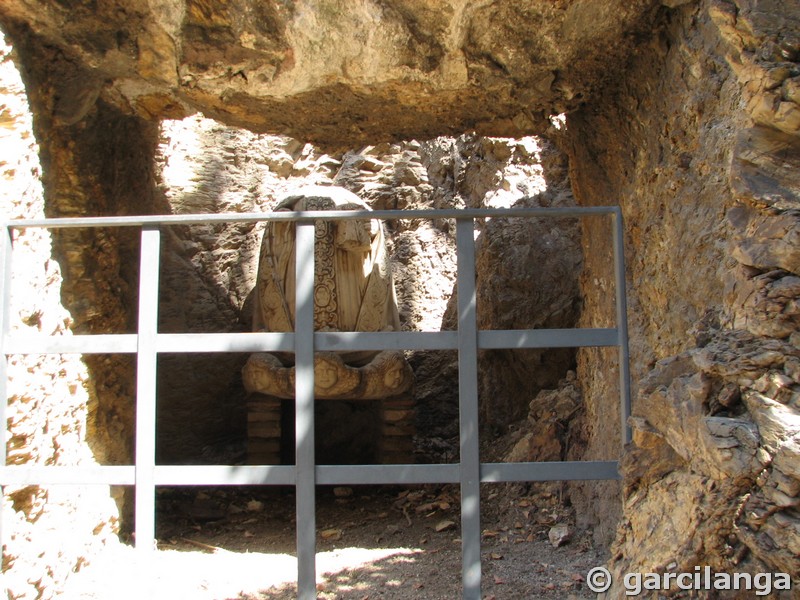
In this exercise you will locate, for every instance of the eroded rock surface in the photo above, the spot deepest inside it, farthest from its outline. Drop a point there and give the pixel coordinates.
(52, 399)
(210, 271)
(718, 437)
(704, 174)
(335, 72)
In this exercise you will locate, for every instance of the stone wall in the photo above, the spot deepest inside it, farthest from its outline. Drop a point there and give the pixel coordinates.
(658, 145)
(47, 532)
(697, 143)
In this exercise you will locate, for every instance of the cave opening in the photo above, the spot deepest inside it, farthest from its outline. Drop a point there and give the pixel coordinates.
(115, 164)
(191, 508)
(207, 276)
(682, 113)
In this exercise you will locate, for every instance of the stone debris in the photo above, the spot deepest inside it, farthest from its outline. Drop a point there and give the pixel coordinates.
(735, 459)
(559, 535)
(444, 526)
(331, 535)
(343, 492)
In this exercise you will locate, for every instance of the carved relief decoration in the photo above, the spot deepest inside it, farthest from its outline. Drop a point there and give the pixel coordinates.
(388, 374)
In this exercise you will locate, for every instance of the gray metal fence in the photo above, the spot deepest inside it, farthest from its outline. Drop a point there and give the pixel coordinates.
(305, 475)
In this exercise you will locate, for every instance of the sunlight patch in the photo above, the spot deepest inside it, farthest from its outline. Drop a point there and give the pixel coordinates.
(124, 575)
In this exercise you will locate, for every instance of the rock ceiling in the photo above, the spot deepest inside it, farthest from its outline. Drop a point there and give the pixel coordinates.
(337, 72)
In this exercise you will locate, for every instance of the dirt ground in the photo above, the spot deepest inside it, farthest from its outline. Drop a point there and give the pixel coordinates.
(373, 542)
(238, 543)
(389, 542)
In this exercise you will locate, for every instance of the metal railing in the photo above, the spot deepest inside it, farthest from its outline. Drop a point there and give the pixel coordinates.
(305, 475)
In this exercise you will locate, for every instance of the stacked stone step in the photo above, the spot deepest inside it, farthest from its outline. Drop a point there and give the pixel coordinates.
(263, 430)
(397, 416)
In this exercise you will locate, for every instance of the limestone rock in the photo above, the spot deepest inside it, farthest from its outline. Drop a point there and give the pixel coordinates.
(736, 480)
(764, 170)
(559, 535)
(52, 399)
(770, 304)
(527, 279)
(542, 436)
(300, 68)
(526, 274)
(704, 140)
(766, 241)
(764, 74)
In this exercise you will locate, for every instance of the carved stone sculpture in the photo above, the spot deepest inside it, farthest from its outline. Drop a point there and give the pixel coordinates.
(353, 291)
(388, 374)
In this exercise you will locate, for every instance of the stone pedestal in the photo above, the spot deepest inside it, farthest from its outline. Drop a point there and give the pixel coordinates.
(397, 430)
(270, 431)
(384, 383)
(263, 429)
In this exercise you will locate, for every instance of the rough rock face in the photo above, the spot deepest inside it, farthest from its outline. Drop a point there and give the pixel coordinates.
(544, 434)
(335, 72)
(47, 532)
(719, 439)
(527, 278)
(697, 144)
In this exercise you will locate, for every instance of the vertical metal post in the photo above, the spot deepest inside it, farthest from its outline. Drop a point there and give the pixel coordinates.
(304, 412)
(5, 314)
(146, 391)
(468, 411)
(622, 323)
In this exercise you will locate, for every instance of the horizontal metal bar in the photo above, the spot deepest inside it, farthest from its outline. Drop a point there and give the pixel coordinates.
(386, 340)
(165, 342)
(385, 474)
(224, 475)
(125, 343)
(325, 474)
(164, 475)
(549, 471)
(22, 475)
(225, 342)
(546, 338)
(329, 340)
(328, 215)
